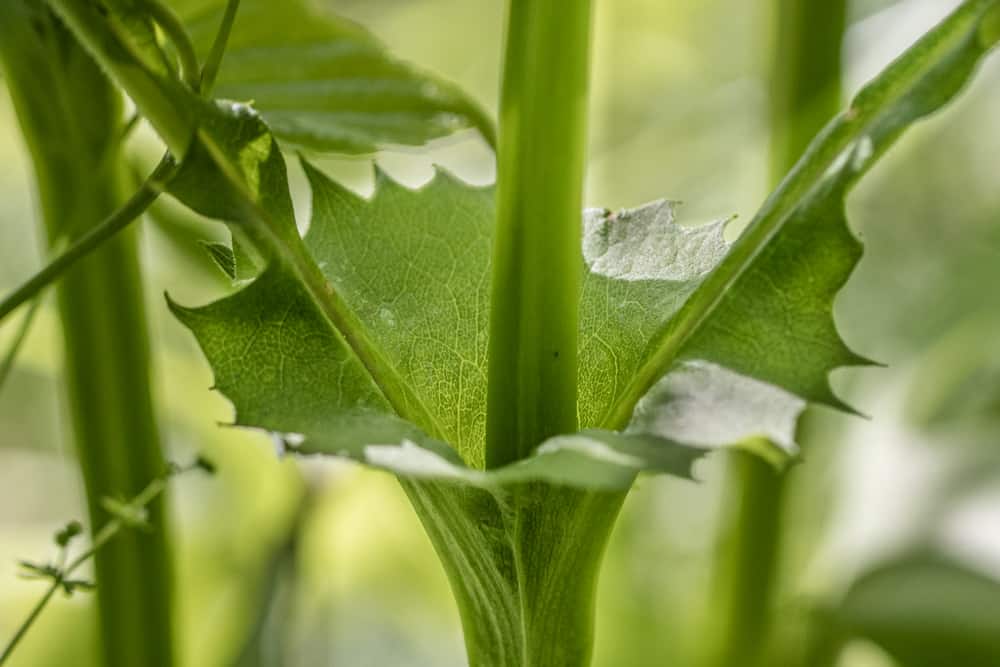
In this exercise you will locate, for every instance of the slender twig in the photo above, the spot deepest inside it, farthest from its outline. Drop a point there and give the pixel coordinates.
(29, 621)
(7, 365)
(97, 235)
(61, 573)
(806, 72)
(211, 69)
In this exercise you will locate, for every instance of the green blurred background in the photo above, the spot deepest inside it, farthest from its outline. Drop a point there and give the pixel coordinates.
(288, 563)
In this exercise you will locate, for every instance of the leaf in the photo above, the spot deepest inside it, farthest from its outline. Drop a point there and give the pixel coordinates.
(287, 368)
(926, 611)
(709, 406)
(324, 83)
(414, 267)
(761, 309)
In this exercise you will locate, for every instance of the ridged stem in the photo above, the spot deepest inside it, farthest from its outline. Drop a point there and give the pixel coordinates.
(536, 257)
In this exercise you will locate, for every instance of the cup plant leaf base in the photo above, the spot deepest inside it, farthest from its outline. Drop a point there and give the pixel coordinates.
(367, 338)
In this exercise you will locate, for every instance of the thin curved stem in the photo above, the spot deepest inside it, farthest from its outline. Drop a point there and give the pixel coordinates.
(536, 254)
(114, 223)
(22, 630)
(211, 69)
(172, 26)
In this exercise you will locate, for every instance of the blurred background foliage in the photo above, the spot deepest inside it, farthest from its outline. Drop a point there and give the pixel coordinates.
(892, 534)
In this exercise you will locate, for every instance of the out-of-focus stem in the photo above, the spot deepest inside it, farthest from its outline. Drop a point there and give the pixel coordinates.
(71, 117)
(805, 95)
(93, 238)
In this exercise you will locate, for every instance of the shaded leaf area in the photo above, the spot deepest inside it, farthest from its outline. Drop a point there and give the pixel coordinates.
(926, 610)
(325, 83)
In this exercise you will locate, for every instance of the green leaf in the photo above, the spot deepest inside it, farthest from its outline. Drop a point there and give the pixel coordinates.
(422, 305)
(926, 611)
(324, 83)
(764, 311)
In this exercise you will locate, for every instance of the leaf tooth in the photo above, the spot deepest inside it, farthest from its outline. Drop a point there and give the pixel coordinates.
(320, 182)
(445, 179)
(384, 182)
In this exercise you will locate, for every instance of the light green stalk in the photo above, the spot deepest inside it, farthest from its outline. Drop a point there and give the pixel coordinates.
(558, 534)
(805, 95)
(536, 258)
(71, 120)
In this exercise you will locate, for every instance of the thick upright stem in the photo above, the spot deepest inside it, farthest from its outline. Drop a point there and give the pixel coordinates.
(536, 259)
(71, 119)
(805, 95)
(558, 534)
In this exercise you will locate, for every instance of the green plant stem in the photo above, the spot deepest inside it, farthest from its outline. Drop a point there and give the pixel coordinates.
(7, 364)
(94, 237)
(22, 629)
(558, 534)
(536, 257)
(71, 121)
(805, 95)
(211, 69)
